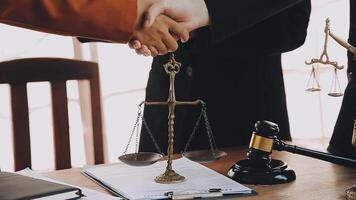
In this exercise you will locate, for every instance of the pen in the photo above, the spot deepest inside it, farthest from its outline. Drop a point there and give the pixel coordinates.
(215, 192)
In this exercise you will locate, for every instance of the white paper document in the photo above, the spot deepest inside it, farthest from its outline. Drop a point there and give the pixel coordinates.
(89, 194)
(138, 182)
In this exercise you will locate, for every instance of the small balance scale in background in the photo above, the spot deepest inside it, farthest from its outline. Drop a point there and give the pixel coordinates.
(172, 68)
(313, 83)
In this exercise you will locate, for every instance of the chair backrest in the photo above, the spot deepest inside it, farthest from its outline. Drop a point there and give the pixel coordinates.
(17, 73)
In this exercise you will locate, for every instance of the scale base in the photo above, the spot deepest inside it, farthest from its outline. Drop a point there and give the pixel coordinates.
(246, 171)
(169, 177)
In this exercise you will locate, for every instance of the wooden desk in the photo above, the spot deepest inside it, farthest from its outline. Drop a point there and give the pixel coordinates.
(315, 179)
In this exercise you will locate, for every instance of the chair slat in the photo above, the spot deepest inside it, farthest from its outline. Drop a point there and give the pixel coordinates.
(21, 128)
(96, 117)
(60, 124)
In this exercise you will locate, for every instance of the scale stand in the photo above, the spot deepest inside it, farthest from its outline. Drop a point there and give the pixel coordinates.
(172, 68)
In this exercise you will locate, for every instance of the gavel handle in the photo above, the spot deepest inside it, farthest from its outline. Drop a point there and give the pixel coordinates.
(281, 146)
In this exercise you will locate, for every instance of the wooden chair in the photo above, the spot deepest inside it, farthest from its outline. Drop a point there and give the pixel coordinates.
(17, 73)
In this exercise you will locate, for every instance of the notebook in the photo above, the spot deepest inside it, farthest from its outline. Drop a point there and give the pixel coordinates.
(89, 194)
(17, 187)
(138, 182)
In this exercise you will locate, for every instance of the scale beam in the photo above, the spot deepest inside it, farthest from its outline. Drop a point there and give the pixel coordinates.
(178, 103)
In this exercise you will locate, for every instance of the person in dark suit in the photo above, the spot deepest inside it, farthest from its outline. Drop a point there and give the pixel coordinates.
(340, 142)
(234, 65)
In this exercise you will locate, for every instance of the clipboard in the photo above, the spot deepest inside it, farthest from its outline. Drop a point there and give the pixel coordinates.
(138, 183)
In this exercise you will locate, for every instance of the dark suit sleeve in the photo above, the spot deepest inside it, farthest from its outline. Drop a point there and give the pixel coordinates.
(285, 31)
(229, 17)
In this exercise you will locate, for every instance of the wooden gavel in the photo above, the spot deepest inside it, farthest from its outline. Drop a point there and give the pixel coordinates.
(264, 140)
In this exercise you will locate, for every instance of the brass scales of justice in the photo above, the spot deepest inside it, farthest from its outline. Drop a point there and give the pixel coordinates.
(313, 83)
(172, 68)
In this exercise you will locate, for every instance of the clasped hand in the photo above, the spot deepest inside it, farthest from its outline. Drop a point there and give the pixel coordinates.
(163, 22)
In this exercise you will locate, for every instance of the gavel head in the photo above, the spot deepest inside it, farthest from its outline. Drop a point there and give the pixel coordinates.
(259, 168)
(261, 143)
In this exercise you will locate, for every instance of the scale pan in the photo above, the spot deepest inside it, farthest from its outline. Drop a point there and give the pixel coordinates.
(335, 94)
(313, 89)
(140, 159)
(204, 156)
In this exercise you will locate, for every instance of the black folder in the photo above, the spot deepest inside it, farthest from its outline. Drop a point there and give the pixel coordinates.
(17, 187)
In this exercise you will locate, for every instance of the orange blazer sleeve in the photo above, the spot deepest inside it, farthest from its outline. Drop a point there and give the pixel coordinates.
(109, 20)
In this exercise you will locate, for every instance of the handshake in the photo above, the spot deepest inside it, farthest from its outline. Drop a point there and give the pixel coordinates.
(161, 23)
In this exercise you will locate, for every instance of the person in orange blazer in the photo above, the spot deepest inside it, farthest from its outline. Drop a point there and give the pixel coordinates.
(109, 20)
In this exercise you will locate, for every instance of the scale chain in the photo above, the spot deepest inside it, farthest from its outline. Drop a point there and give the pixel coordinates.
(133, 132)
(136, 127)
(193, 132)
(212, 142)
(151, 135)
(137, 134)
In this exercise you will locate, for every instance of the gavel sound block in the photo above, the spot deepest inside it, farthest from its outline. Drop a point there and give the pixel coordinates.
(260, 168)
